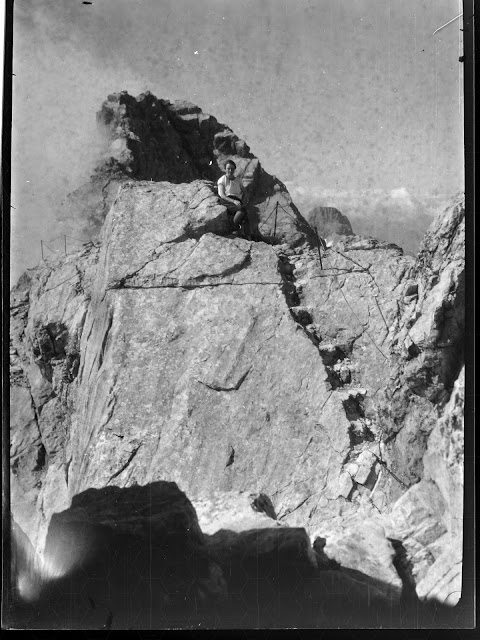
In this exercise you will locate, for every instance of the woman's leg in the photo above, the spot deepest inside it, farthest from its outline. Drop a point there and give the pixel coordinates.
(239, 217)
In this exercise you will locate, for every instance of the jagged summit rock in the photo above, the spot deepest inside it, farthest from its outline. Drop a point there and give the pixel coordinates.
(171, 351)
(155, 140)
(328, 221)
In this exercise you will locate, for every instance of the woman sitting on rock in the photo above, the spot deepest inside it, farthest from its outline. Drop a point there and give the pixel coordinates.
(232, 192)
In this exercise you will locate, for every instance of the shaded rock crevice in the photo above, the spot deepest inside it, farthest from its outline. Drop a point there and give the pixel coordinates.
(230, 457)
(200, 285)
(126, 464)
(291, 510)
(330, 356)
(404, 568)
(336, 358)
(41, 458)
(235, 387)
(298, 313)
(103, 346)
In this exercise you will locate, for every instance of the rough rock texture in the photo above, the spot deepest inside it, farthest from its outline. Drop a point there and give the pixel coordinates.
(235, 511)
(327, 393)
(135, 556)
(420, 438)
(48, 311)
(366, 549)
(232, 386)
(426, 341)
(428, 518)
(444, 459)
(152, 139)
(349, 309)
(259, 371)
(434, 308)
(241, 389)
(329, 221)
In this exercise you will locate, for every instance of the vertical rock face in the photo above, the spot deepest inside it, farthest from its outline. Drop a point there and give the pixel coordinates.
(232, 386)
(434, 308)
(427, 343)
(428, 518)
(48, 312)
(444, 458)
(325, 385)
(242, 387)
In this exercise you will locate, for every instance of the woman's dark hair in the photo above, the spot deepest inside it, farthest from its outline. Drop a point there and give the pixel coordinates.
(230, 162)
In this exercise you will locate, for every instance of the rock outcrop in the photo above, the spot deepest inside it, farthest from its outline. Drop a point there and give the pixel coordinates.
(408, 493)
(243, 387)
(317, 403)
(427, 341)
(152, 139)
(428, 518)
(329, 221)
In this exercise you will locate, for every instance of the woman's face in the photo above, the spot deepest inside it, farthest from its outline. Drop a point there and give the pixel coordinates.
(230, 171)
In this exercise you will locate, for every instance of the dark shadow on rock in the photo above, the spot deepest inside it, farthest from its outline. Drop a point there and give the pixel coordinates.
(135, 558)
(137, 553)
(151, 139)
(275, 581)
(329, 221)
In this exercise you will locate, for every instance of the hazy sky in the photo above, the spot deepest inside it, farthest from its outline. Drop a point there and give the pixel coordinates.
(342, 95)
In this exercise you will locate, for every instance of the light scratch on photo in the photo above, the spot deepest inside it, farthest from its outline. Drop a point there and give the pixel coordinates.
(447, 23)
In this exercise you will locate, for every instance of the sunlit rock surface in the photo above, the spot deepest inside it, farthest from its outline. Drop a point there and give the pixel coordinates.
(131, 558)
(365, 548)
(324, 386)
(152, 139)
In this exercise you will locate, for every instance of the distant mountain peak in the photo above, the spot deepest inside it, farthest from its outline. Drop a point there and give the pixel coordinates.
(328, 221)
